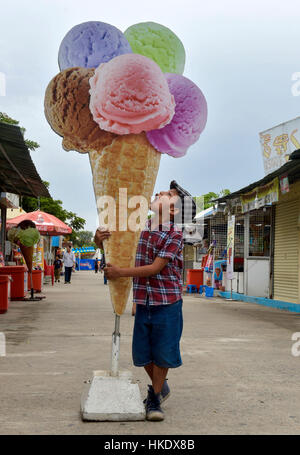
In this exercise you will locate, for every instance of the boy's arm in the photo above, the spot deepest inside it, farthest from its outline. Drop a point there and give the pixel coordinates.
(144, 271)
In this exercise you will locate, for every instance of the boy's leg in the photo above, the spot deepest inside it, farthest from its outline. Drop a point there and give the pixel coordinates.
(159, 375)
(149, 370)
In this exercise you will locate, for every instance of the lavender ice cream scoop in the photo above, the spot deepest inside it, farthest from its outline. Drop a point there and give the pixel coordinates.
(189, 119)
(88, 44)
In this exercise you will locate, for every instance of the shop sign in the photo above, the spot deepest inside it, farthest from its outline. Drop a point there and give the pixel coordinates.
(230, 247)
(9, 200)
(284, 184)
(260, 196)
(38, 255)
(2, 263)
(278, 143)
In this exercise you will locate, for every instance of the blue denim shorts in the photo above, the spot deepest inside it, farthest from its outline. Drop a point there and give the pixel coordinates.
(156, 335)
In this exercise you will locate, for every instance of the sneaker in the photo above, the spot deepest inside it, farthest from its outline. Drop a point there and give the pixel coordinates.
(165, 391)
(153, 409)
(164, 394)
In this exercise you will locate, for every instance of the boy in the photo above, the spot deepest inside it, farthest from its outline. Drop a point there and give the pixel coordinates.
(57, 269)
(157, 290)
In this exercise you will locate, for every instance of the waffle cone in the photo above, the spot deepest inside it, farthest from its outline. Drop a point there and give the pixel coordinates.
(27, 252)
(130, 163)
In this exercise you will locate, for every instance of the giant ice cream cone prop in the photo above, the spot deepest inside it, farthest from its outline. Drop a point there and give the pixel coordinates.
(119, 107)
(139, 162)
(128, 162)
(25, 235)
(27, 252)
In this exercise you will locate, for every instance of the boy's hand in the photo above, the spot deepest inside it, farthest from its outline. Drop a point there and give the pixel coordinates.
(112, 271)
(100, 235)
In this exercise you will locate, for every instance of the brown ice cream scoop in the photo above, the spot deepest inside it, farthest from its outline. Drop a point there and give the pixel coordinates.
(67, 111)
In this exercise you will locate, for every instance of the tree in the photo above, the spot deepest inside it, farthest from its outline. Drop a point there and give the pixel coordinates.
(32, 145)
(208, 198)
(54, 207)
(83, 239)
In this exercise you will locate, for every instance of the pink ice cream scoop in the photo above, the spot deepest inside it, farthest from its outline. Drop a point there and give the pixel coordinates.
(188, 122)
(130, 94)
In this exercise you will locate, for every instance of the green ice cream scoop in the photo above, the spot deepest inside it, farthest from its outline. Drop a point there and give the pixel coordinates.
(159, 43)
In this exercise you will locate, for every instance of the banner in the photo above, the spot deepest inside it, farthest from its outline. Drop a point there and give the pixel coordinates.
(260, 196)
(278, 143)
(284, 184)
(230, 247)
(38, 255)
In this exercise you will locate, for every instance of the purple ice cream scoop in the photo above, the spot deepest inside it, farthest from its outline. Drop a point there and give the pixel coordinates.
(91, 43)
(189, 119)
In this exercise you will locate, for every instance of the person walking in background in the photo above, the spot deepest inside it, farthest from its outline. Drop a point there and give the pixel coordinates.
(69, 261)
(102, 265)
(57, 268)
(96, 265)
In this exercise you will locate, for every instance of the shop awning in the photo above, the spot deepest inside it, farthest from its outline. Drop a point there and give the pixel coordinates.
(88, 249)
(291, 169)
(18, 174)
(205, 213)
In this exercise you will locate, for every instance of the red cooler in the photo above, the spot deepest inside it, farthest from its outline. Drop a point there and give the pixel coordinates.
(19, 286)
(37, 279)
(4, 293)
(194, 276)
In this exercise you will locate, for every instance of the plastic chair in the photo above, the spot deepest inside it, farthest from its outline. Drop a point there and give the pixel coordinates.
(49, 271)
(191, 289)
(201, 288)
(209, 291)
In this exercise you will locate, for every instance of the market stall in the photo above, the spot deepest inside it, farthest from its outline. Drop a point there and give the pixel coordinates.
(85, 258)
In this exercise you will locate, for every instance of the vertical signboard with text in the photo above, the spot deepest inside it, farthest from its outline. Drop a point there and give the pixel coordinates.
(230, 247)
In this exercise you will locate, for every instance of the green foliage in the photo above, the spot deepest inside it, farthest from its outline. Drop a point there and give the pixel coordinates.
(54, 207)
(209, 197)
(32, 145)
(83, 239)
(6, 119)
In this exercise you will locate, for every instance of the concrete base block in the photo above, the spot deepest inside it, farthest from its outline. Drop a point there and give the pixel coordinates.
(109, 398)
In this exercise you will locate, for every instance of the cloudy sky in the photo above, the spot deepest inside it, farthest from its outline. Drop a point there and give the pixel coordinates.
(241, 54)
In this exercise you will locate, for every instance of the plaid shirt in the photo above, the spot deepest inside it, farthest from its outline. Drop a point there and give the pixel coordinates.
(165, 287)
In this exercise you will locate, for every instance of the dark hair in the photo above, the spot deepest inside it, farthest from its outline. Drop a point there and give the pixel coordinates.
(185, 204)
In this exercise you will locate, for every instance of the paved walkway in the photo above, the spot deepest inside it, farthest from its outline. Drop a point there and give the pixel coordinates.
(238, 377)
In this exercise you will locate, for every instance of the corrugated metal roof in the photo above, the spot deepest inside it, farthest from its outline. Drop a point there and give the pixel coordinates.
(205, 213)
(18, 174)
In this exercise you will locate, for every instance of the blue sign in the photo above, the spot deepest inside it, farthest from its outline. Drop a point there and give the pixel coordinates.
(87, 264)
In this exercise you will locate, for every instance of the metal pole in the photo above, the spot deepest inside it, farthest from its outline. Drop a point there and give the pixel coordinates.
(115, 348)
(230, 299)
(31, 285)
(3, 230)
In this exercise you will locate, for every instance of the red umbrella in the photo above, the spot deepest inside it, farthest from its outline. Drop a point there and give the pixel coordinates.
(45, 223)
